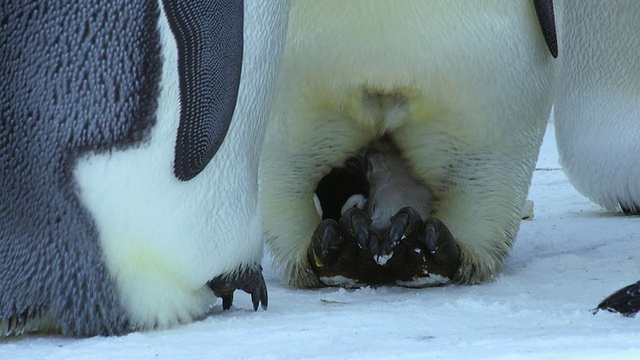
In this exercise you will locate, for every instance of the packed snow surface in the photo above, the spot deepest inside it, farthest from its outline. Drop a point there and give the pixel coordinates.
(566, 260)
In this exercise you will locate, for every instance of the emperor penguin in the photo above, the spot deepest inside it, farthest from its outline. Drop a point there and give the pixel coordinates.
(597, 112)
(464, 88)
(129, 140)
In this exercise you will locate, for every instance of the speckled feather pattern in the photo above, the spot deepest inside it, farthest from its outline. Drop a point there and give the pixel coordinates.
(71, 82)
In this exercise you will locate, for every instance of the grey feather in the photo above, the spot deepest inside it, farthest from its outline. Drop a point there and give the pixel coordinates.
(392, 185)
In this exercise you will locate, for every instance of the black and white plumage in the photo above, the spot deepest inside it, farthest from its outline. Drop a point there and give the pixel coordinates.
(129, 137)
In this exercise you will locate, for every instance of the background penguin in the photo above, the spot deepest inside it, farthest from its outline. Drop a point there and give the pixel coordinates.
(121, 206)
(597, 108)
(597, 112)
(465, 89)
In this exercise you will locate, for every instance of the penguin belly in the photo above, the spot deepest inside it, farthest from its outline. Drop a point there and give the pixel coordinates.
(596, 111)
(464, 88)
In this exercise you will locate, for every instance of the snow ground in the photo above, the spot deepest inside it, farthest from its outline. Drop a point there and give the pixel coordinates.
(566, 260)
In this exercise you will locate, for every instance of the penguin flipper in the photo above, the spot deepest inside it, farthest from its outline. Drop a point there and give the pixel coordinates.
(547, 20)
(209, 36)
(626, 301)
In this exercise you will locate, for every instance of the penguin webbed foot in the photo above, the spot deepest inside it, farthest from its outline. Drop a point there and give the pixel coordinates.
(423, 252)
(625, 301)
(249, 280)
(342, 252)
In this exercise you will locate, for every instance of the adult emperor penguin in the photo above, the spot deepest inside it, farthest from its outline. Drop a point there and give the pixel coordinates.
(597, 112)
(464, 88)
(130, 133)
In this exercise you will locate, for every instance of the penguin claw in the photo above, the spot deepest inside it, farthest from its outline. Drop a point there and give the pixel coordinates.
(227, 301)
(248, 280)
(329, 237)
(356, 223)
(404, 224)
(325, 243)
(431, 237)
(337, 255)
(421, 249)
(446, 252)
(260, 296)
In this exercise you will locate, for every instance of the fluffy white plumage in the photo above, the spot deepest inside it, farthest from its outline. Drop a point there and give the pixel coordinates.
(163, 239)
(464, 87)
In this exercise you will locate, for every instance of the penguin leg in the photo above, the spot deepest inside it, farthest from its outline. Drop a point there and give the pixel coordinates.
(249, 280)
(424, 253)
(342, 253)
(625, 301)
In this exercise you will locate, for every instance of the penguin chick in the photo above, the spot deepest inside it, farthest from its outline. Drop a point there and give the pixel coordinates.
(392, 186)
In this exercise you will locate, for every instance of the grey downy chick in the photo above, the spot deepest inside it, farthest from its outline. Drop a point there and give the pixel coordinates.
(392, 186)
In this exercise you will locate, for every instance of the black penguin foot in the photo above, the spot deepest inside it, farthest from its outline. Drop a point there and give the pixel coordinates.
(357, 225)
(250, 280)
(629, 208)
(424, 253)
(342, 253)
(625, 301)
